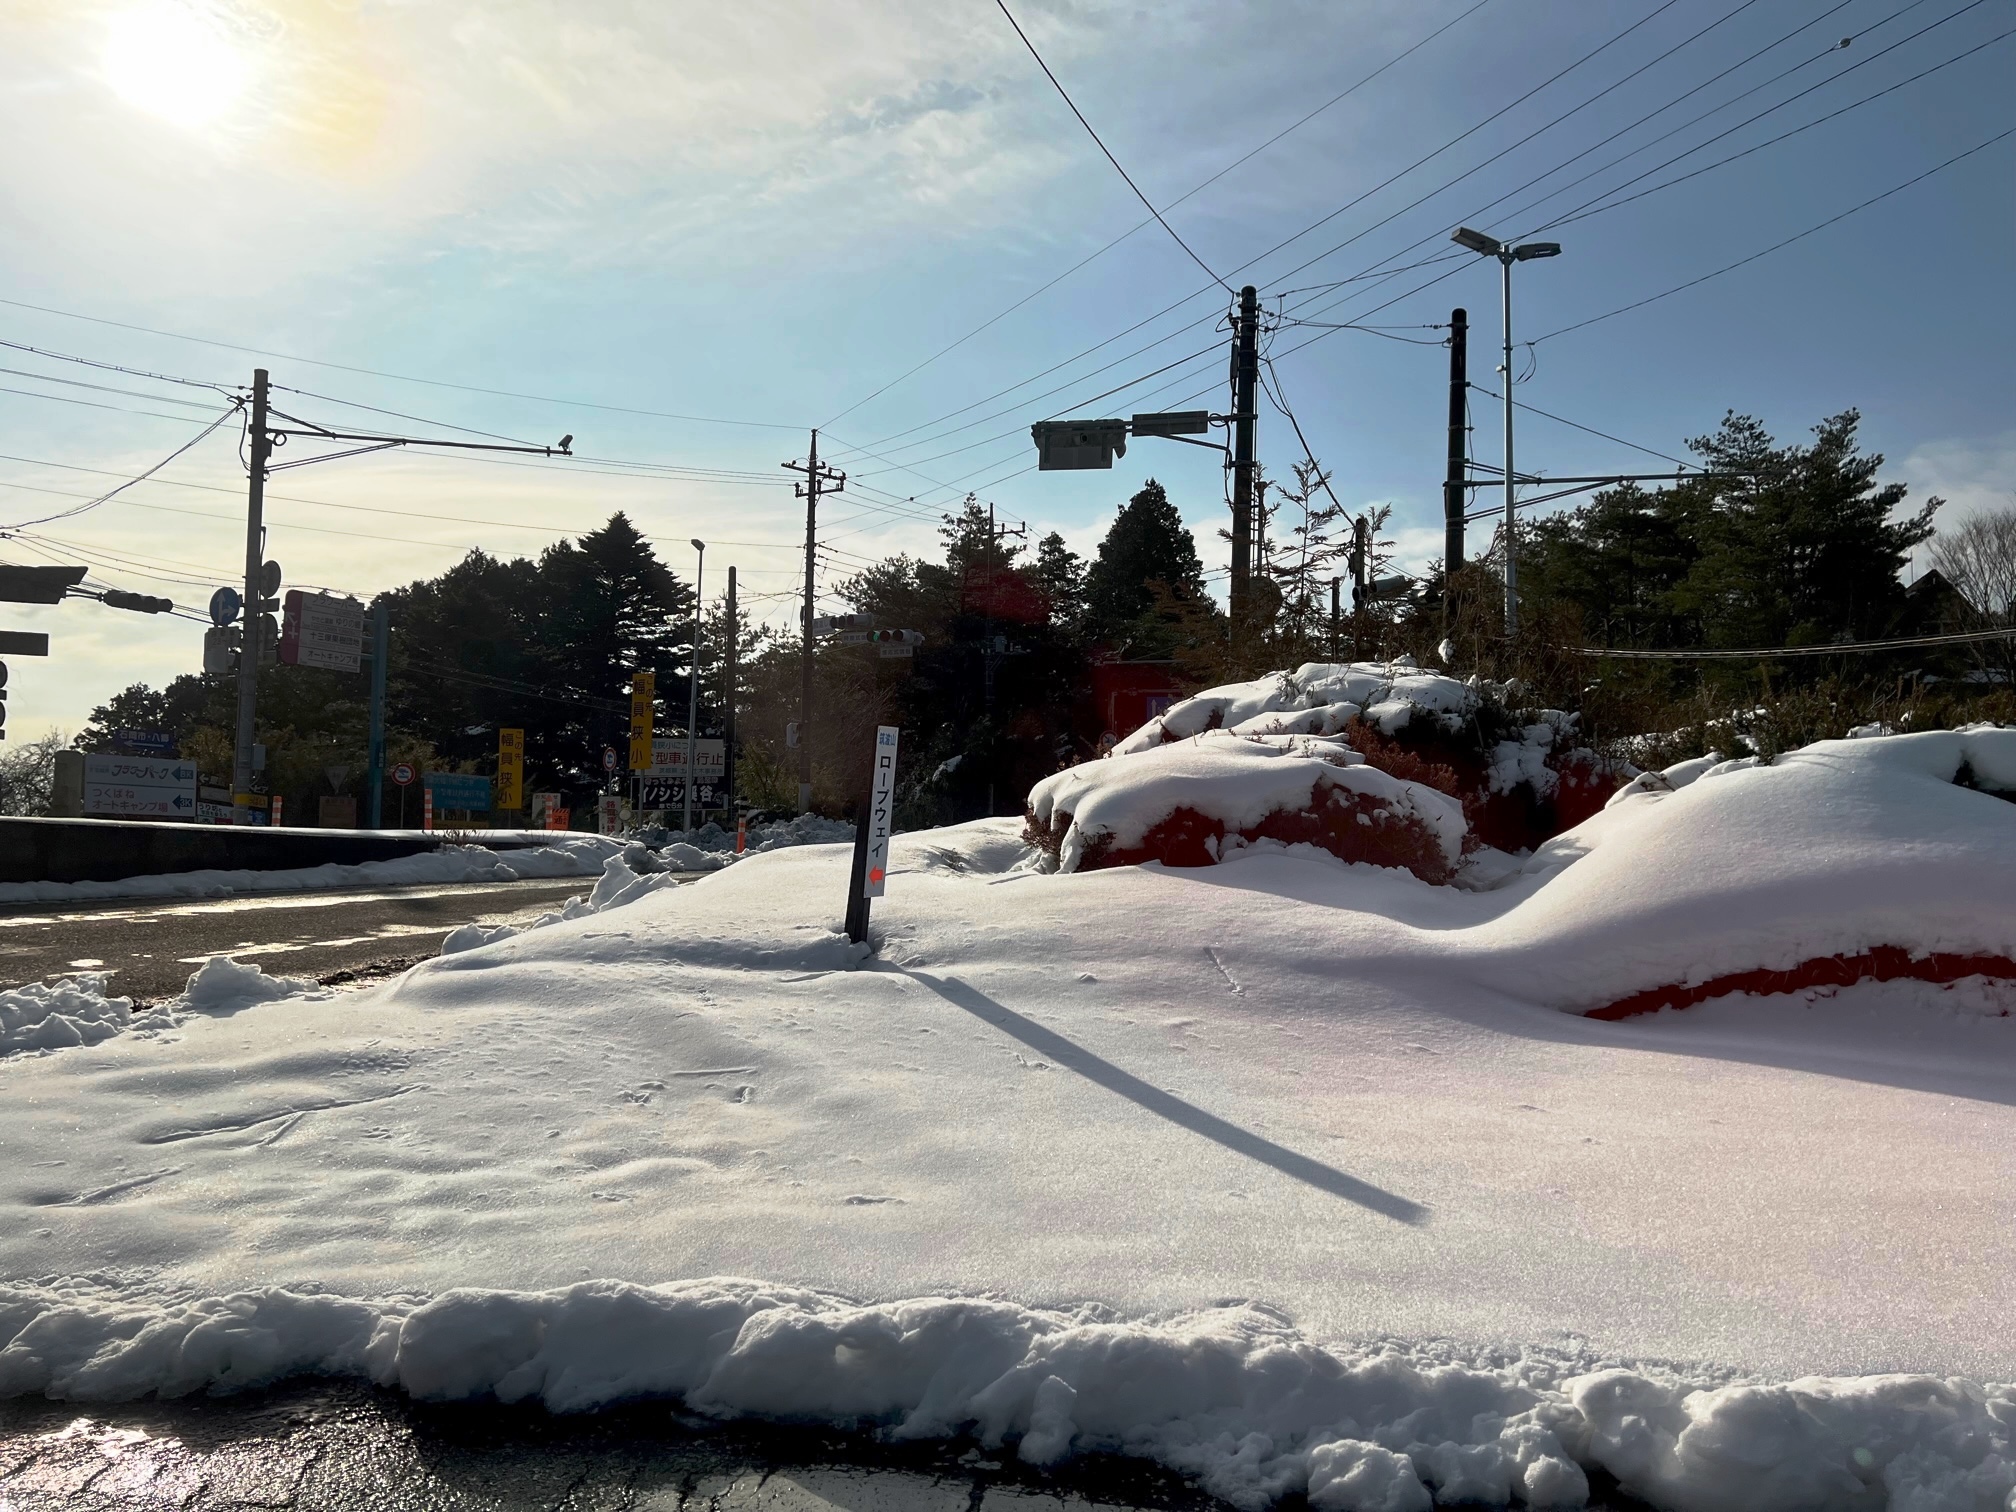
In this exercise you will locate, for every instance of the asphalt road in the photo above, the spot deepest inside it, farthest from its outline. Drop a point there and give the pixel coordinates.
(149, 948)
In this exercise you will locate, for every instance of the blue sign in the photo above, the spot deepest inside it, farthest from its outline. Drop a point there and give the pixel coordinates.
(224, 606)
(144, 742)
(458, 790)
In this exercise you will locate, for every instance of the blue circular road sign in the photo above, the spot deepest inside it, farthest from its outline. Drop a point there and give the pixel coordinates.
(224, 606)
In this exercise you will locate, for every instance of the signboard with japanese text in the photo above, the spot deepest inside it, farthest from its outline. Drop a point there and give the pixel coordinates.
(321, 630)
(660, 793)
(643, 698)
(459, 790)
(510, 769)
(881, 810)
(668, 760)
(139, 787)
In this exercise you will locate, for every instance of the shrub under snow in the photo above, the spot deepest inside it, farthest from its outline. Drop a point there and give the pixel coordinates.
(1377, 762)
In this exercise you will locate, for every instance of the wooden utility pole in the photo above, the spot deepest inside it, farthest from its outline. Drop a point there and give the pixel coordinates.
(733, 651)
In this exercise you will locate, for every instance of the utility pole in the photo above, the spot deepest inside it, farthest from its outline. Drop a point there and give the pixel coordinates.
(1336, 613)
(250, 643)
(1505, 260)
(693, 684)
(733, 650)
(1245, 383)
(818, 480)
(1458, 460)
(381, 644)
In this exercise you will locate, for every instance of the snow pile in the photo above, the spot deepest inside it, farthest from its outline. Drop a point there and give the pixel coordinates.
(1232, 1395)
(708, 846)
(59, 1015)
(575, 856)
(1182, 803)
(222, 985)
(78, 1011)
(1463, 772)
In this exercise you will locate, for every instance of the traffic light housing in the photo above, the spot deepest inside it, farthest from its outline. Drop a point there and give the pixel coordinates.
(140, 603)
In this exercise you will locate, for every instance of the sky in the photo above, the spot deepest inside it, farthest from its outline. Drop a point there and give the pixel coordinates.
(685, 235)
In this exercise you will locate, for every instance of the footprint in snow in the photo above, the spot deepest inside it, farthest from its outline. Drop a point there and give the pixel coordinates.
(1086, 976)
(861, 1199)
(744, 1093)
(613, 1196)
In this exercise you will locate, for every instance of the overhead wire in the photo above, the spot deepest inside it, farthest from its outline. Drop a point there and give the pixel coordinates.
(113, 493)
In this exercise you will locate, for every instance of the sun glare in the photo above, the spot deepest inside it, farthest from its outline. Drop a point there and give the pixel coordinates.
(172, 61)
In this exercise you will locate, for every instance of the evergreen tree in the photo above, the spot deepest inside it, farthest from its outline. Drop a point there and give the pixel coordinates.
(1147, 544)
(1060, 573)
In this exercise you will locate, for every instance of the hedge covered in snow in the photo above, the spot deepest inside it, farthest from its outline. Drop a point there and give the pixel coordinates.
(1372, 761)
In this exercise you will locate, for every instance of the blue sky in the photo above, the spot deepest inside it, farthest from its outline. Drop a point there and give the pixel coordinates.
(766, 213)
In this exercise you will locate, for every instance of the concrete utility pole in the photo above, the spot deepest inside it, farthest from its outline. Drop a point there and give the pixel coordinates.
(1453, 501)
(381, 645)
(693, 680)
(732, 651)
(1245, 383)
(818, 480)
(250, 643)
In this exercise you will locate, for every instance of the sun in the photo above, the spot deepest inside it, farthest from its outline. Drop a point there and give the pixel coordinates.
(171, 60)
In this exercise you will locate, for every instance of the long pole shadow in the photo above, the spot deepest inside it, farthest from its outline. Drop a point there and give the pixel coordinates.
(1074, 1057)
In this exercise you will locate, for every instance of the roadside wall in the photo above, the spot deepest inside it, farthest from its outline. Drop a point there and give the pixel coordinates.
(110, 850)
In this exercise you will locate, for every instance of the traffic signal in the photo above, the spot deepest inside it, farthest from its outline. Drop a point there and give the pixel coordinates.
(141, 603)
(38, 585)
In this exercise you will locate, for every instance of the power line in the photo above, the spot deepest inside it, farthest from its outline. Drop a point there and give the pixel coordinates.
(1066, 97)
(105, 388)
(1296, 125)
(112, 367)
(1788, 241)
(1841, 648)
(467, 388)
(117, 409)
(113, 493)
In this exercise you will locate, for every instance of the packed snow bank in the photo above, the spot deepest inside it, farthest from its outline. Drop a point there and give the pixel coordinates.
(222, 985)
(575, 856)
(776, 834)
(1233, 1395)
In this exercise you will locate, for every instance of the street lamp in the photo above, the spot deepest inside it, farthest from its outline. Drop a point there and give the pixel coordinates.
(693, 681)
(1490, 246)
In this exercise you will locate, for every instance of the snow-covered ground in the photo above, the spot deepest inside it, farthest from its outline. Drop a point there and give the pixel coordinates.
(1291, 1174)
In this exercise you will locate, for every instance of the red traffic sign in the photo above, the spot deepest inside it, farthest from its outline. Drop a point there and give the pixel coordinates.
(403, 774)
(608, 758)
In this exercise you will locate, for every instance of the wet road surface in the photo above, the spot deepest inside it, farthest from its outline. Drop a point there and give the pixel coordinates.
(149, 948)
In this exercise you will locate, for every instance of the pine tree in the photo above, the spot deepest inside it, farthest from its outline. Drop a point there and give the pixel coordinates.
(1147, 544)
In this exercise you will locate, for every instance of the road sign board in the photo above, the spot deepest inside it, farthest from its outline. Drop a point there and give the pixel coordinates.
(881, 810)
(269, 579)
(852, 637)
(139, 787)
(145, 743)
(668, 760)
(643, 700)
(24, 643)
(510, 769)
(608, 758)
(321, 630)
(459, 790)
(898, 649)
(660, 793)
(224, 606)
(402, 774)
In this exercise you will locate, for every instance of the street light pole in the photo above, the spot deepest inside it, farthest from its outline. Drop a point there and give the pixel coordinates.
(1507, 254)
(693, 681)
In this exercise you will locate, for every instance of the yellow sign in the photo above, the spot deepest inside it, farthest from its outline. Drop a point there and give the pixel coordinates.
(643, 695)
(510, 769)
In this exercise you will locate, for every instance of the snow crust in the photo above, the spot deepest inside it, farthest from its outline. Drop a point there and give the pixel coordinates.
(1293, 1175)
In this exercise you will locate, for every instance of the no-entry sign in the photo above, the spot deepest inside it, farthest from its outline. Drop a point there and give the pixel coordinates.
(403, 774)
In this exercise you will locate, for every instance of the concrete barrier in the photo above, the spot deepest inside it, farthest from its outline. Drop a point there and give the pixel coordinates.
(111, 850)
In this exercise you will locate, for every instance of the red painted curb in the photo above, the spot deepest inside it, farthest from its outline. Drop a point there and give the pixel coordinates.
(1886, 963)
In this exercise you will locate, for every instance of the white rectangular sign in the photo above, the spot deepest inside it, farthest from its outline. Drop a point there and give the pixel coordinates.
(881, 810)
(139, 787)
(321, 630)
(668, 760)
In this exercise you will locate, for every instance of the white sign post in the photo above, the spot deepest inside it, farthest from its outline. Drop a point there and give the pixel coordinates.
(139, 787)
(872, 830)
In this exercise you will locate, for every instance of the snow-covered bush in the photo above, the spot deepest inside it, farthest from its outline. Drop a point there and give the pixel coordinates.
(1265, 760)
